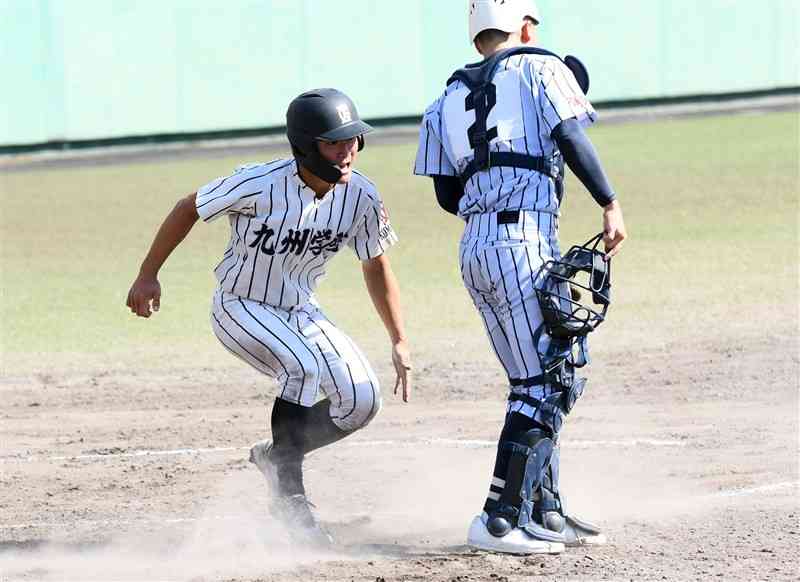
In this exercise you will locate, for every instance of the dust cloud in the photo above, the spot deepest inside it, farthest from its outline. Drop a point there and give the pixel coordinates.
(233, 537)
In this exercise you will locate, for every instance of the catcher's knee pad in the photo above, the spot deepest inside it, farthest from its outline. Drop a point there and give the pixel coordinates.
(565, 389)
(559, 374)
(550, 411)
(559, 359)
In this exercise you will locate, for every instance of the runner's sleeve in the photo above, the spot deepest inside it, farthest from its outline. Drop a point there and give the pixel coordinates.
(227, 194)
(375, 234)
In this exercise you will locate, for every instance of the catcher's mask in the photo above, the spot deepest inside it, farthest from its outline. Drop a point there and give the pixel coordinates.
(568, 312)
(322, 115)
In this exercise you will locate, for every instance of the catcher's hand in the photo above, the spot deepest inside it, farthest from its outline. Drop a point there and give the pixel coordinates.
(613, 228)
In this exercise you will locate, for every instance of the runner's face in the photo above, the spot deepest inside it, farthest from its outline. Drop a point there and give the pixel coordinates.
(342, 154)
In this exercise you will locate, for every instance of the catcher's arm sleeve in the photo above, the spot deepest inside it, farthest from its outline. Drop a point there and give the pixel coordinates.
(582, 159)
(448, 192)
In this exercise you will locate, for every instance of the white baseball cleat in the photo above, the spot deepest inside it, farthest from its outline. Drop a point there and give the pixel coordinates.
(514, 542)
(576, 532)
(259, 456)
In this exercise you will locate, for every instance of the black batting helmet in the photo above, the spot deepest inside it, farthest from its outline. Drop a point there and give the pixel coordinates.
(327, 115)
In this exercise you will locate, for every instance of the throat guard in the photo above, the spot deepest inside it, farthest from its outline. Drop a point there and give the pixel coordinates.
(583, 273)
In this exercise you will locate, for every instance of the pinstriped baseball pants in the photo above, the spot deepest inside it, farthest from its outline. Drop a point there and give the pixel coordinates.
(304, 352)
(500, 267)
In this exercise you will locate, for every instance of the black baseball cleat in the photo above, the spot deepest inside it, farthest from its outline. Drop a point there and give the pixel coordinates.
(259, 456)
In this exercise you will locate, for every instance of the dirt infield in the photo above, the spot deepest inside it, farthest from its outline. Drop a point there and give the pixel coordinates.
(123, 444)
(687, 457)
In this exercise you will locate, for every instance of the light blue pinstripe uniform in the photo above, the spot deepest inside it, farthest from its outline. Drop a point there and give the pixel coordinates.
(499, 258)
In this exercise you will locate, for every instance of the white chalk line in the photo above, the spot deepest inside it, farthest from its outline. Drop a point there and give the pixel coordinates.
(739, 492)
(760, 489)
(459, 443)
(134, 454)
(116, 522)
(481, 444)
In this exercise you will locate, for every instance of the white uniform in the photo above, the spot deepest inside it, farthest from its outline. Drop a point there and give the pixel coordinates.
(511, 213)
(264, 311)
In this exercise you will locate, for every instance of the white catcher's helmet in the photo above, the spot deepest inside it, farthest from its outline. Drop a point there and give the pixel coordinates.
(505, 15)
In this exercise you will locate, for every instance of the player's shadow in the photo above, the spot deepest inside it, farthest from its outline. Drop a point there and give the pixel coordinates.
(350, 533)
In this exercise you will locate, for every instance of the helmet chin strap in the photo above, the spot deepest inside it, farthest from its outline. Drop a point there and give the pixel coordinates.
(321, 168)
(317, 165)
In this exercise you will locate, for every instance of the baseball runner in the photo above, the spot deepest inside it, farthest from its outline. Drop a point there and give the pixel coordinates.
(288, 218)
(495, 144)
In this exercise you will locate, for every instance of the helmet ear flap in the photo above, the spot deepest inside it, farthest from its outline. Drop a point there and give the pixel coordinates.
(297, 152)
(307, 155)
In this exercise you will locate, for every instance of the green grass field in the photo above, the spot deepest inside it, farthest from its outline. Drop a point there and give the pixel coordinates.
(711, 206)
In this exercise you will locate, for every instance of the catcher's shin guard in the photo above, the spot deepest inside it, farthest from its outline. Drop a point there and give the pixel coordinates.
(520, 501)
(549, 509)
(531, 500)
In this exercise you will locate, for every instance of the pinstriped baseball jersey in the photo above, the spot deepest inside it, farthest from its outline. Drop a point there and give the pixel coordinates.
(282, 235)
(534, 94)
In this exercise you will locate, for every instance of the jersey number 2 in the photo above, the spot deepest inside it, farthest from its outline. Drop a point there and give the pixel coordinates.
(489, 97)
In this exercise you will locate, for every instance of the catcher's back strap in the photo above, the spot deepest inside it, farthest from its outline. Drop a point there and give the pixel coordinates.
(482, 97)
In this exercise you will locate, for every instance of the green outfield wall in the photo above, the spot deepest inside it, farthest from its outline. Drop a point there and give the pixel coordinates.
(94, 69)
